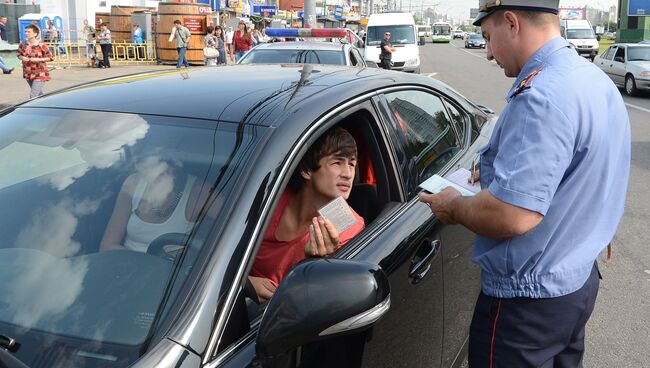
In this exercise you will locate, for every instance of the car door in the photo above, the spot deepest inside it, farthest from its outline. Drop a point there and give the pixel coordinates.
(618, 66)
(605, 62)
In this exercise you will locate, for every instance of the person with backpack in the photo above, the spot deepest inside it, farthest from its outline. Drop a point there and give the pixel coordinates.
(182, 36)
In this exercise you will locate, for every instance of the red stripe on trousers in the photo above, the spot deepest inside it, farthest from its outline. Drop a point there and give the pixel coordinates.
(494, 332)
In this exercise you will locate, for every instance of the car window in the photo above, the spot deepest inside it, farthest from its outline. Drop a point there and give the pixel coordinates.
(425, 132)
(609, 54)
(282, 56)
(402, 34)
(458, 119)
(638, 53)
(620, 53)
(63, 177)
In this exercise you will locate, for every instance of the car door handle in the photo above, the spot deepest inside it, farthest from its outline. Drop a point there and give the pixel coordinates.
(421, 264)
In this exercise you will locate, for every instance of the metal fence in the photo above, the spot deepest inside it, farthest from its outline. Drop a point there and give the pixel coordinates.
(68, 54)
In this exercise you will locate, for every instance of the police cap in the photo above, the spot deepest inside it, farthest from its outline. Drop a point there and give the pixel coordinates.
(487, 7)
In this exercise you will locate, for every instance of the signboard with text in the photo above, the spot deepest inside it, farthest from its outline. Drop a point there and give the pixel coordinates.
(265, 11)
(572, 13)
(194, 24)
(638, 8)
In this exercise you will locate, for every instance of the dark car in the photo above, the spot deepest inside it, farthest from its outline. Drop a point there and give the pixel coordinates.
(475, 40)
(311, 52)
(400, 293)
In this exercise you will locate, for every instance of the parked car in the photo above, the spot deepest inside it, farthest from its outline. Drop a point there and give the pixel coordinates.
(628, 65)
(305, 52)
(645, 42)
(475, 40)
(400, 293)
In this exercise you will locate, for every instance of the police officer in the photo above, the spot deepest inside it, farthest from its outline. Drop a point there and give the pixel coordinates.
(554, 176)
(387, 50)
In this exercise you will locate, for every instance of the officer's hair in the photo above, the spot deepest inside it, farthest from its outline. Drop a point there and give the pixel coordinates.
(335, 141)
(537, 18)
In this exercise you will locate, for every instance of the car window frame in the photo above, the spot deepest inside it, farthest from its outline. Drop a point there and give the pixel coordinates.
(436, 93)
(214, 358)
(617, 52)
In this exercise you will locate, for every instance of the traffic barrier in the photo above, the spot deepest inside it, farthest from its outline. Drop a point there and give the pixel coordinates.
(68, 54)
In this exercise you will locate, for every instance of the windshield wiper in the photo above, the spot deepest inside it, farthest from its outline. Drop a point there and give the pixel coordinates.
(7, 347)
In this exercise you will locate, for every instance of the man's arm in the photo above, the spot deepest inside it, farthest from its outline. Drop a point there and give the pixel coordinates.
(483, 213)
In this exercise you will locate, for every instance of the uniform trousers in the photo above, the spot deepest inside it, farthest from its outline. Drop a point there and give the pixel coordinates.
(527, 332)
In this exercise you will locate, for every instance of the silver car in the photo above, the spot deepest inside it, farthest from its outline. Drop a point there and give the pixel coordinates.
(308, 52)
(628, 65)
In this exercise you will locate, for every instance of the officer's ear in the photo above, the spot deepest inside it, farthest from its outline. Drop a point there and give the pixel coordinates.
(512, 20)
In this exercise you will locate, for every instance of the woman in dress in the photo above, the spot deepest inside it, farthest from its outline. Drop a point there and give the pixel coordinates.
(221, 45)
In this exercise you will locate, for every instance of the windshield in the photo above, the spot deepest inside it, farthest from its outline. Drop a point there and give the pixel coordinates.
(283, 56)
(579, 34)
(398, 35)
(443, 30)
(84, 197)
(476, 37)
(638, 53)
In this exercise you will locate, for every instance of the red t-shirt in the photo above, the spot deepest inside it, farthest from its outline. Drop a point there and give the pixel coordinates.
(276, 258)
(241, 42)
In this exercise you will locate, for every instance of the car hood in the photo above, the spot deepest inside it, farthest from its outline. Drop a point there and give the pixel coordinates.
(642, 65)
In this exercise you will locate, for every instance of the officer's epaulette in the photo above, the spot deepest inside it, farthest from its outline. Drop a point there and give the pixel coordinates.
(526, 82)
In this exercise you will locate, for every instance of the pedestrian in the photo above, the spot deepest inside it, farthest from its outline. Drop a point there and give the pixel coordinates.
(241, 41)
(3, 29)
(221, 45)
(210, 42)
(553, 176)
(387, 50)
(136, 39)
(106, 44)
(89, 35)
(34, 54)
(51, 36)
(230, 34)
(182, 36)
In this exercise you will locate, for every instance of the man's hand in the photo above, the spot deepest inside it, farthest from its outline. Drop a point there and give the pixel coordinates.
(474, 176)
(323, 238)
(441, 204)
(263, 287)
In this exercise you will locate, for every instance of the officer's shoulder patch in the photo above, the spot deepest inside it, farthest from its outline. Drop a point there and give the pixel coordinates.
(526, 82)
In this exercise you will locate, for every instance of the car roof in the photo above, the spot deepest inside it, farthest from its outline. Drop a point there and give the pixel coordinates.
(630, 44)
(306, 45)
(252, 94)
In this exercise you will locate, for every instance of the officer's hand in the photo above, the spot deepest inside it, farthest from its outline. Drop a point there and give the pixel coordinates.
(264, 288)
(323, 238)
(441, 204)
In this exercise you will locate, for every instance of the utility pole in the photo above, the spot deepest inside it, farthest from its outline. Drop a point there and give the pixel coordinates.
(309, 14)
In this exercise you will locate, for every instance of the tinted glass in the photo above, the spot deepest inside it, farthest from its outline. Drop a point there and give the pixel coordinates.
(476, 37)
(458, 119)
(70, 181)
(398, 34)
(425, 131)
(277, 56)
(577, 34)
(638, 53)
(620, 53)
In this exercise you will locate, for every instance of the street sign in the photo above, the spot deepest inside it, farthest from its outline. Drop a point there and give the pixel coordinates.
(338, 12)
(638, 8)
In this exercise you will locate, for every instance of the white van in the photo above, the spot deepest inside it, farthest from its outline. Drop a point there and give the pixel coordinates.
(580, 34)
(403, 35)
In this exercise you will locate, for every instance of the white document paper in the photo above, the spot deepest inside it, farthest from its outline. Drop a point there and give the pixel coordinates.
(339, 213)
(457, 180)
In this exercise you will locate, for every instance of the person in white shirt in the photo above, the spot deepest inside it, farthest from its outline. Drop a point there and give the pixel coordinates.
(229, 36)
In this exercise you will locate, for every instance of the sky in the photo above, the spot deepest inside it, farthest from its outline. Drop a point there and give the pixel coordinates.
(460, 8)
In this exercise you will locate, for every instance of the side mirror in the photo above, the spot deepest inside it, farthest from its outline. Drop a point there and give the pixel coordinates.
(319, 298)
(619, 59)
(485, 109)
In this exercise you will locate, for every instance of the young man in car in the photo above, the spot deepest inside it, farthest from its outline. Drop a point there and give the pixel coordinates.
(296, 230)
(540, 220)
(387, 50)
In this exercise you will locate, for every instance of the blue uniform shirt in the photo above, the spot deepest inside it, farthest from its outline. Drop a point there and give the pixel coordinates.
(561, 148)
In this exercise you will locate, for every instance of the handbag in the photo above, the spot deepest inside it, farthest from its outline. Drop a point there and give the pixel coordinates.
(210, 53)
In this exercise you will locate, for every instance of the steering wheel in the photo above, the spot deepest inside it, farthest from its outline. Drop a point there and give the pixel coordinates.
(157, 246)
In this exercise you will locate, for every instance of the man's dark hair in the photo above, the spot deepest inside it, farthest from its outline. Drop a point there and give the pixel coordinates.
(335, 141)
(209, 30)
(177, 22)
(33, 28)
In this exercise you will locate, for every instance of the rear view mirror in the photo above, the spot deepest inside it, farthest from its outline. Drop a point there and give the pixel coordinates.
(320, 298)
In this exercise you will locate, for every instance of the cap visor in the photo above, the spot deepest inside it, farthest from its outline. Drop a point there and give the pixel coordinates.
(481, 16)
